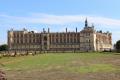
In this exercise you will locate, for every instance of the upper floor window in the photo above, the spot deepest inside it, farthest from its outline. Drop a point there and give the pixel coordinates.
(87, 34)
(88, 40)
(56, 40)
(45, 38)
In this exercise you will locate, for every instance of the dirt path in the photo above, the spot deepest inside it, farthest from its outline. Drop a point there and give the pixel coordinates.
(60, 75)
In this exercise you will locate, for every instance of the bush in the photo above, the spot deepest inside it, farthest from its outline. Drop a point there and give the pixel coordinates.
(3, 47)
(117, 46)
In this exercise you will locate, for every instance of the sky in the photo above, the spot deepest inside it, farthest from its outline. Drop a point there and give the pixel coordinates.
(59, 14)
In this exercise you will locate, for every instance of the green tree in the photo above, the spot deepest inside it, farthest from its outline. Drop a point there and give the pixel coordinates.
(117, 46)
(3, 47)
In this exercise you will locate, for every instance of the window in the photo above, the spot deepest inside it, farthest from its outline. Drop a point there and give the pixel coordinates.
(60, 40)
(45, 43)
(29, 40)
(56, 35)
(25, 35)
(21, 41)
(25, 40)
(74, 40)
(88, 40)
(67, 40)
(87, 34)
(70, 40)
(60, 35)
(14, 35)
(56, 40)
(14, 41)
(45, 38)
(18, 41)
(17, 35)
(64, 40)
(21, 35)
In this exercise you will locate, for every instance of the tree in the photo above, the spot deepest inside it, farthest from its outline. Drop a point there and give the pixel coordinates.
(3, 47)
(117, 46)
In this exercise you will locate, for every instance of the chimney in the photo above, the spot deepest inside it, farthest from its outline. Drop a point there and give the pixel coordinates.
(48, 30)
(43, 30)
(76, 29)
(66, 30)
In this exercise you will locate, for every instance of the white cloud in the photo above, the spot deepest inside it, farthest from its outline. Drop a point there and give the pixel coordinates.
(64, 21)
(61, 19)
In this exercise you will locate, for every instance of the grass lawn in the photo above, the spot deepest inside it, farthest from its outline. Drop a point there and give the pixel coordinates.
(63, 66)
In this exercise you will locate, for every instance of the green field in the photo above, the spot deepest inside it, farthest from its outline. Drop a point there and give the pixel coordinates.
(63, 66)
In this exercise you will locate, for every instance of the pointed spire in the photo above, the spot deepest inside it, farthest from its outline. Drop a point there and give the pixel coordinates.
(86, 23)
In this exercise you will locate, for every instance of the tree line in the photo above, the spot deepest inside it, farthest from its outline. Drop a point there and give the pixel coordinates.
(3, 47)
(117, 46)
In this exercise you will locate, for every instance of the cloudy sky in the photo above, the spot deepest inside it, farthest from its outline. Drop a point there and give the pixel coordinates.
(59, 14)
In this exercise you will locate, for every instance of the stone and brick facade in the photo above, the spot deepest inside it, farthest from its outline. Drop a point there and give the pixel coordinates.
(87, 39)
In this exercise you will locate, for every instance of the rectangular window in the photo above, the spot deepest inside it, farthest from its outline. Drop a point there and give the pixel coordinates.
(67, 40)
(60, 40)
(56, 40)
(64, 40)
